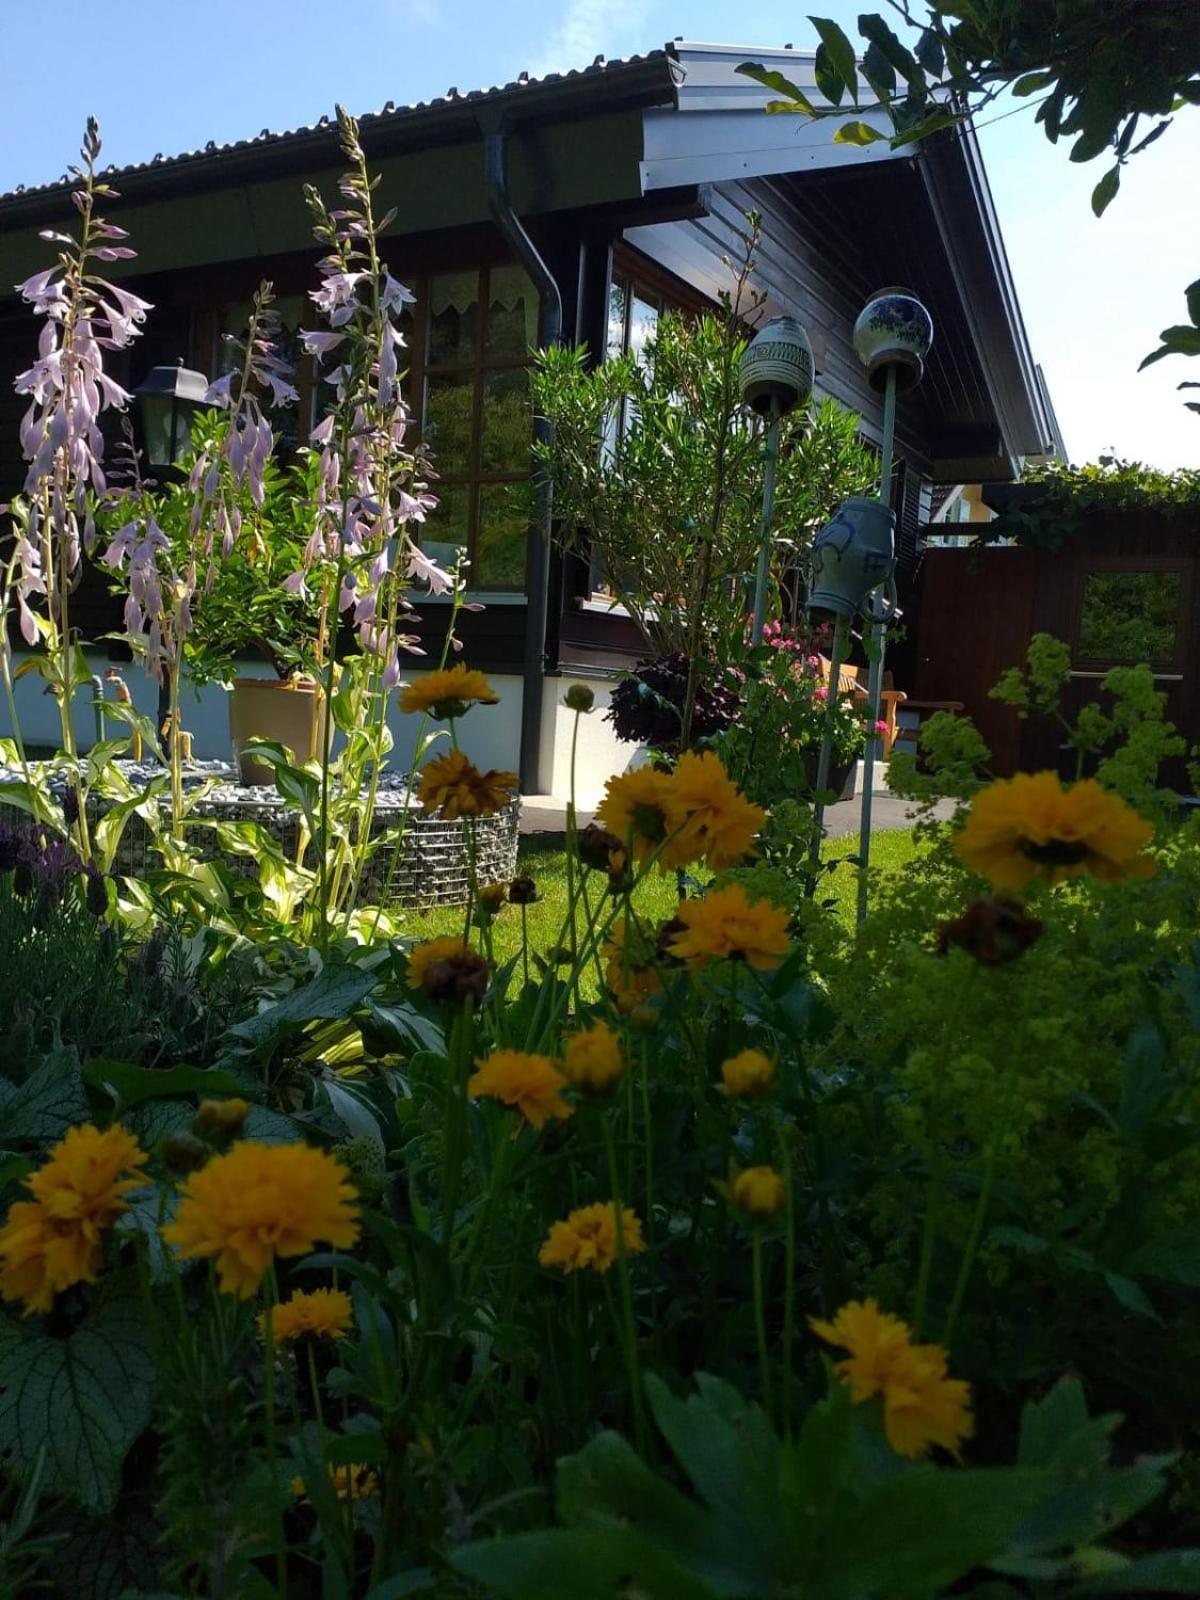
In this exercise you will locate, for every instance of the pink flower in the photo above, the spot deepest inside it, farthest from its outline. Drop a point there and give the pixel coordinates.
(881, 728)
(820, 692)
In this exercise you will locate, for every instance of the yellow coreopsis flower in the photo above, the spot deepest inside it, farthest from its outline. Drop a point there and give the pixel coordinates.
(631, 976)
(259, 1202)
(530, 1084)
(758, 1191)
(922, 1405)
(724, 926)
(1030, 826)
(423, 956)
(592, 1059)
(325, 1313)
(708, 817)
(454, 787)
(56, 1240)
(349, 1482)
(634, 806)
(749, 1072)
(450, 692)
(588, 1238)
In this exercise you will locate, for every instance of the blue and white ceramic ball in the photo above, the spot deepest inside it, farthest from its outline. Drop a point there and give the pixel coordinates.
(893, 330)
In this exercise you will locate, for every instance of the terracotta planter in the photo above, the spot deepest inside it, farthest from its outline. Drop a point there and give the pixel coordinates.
(287, 711)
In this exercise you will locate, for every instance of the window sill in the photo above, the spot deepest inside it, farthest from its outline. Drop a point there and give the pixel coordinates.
(482, 597)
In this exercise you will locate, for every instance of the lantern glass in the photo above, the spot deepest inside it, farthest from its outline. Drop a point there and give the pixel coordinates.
(168, 399)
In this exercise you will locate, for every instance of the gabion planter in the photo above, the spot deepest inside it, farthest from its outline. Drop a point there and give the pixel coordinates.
(421, 862)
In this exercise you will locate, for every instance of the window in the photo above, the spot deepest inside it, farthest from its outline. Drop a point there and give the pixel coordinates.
(469, 376)
(1130, 615)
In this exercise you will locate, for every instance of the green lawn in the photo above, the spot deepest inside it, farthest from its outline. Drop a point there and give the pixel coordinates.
(546, 862)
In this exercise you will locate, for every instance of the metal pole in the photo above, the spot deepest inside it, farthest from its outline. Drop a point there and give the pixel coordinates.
(878, 636)
(841, 632)
(763, 573)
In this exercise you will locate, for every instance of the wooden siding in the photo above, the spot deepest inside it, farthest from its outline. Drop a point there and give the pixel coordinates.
(978, 610)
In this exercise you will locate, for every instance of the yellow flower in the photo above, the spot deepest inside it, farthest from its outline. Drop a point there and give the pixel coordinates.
(592, 1059)
(423, 956)
(1029, 826)
(634, 981)
(56, 1240)
(922, 1406)
(448, 693)
(349, 1483)
(588, 1238)
(708, 817)
(724, 926)
(222, 1116)
(322, 1312)
(635, 804)
(749, 1072)
(531, 1084)
(260, 1201)
(453, 787)
(759, 1191)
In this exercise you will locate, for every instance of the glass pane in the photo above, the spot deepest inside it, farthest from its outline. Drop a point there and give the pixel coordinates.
(449, 413)
(504, 514)
(1129, 616)
(445, 531)
(453, 318)
(507, 422)
(512, 312)
(617, 301)
(643, 325)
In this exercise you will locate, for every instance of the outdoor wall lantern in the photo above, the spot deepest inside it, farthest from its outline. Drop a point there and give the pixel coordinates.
(853, 559)
(168, 399)
(776, 376)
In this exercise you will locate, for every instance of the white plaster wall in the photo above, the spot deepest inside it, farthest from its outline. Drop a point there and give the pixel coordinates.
(600, 754)
(490, 735)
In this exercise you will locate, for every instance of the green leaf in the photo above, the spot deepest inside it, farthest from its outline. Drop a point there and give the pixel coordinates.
(841, 54)
(28, 797)
(817, 1469)
(129, 1084)
(1131, 1295)
(793, 96)
(336, 991)
(299, 788)
(879, 73)
(1146, 1081)
(1032, 83)
(1050, 1424)
(829, 79)
(1105, 191)
(1165, 1572)
(109, 1556)
(418, 1581)
(882, 39)
(856, 133)
(586, 1564)
(83, 1400)
(50, 1100)
(930, 53)
(359, 1120)
(135, 719)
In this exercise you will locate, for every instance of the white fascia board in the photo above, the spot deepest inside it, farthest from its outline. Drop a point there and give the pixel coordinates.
(719, 129)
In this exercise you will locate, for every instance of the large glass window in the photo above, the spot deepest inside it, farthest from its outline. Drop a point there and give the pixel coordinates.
(1130, 616)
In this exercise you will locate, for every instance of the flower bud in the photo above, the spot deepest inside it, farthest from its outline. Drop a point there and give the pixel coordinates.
(758, 1191)
(456, 979)
(523, 892)
(225, 1117)
(579, 698)
(597, 846)
(183, 1152)
(96, 893)
(491, 899)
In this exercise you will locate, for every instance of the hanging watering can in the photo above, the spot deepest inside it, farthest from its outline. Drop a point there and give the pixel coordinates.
(852, 555)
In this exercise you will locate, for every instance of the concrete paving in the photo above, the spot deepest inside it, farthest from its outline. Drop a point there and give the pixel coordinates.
(544, 814)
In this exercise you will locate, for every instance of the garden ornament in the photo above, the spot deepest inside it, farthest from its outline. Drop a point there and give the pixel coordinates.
(893, 333)
(776, 375)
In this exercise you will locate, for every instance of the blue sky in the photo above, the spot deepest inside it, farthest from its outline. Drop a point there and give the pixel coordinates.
(168, 75)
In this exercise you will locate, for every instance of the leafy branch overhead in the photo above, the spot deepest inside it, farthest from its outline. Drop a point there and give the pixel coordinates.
(1107, 75)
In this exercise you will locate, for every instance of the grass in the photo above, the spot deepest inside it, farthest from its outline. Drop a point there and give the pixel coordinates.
(545, 860)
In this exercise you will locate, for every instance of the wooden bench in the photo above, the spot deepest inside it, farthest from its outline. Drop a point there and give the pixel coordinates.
(853, 681)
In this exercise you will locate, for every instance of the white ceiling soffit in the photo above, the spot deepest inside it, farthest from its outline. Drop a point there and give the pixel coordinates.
(719, 130)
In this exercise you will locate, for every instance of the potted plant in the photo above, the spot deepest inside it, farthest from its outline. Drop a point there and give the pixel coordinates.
(244, 610)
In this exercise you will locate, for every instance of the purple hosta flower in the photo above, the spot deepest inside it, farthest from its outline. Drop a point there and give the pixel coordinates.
(426, 570)
(394, 296)
(321, 344)
(294, 584)
(335, 299)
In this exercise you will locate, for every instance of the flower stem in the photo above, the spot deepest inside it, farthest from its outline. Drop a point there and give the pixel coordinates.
(625, 1325)
(760, 1328)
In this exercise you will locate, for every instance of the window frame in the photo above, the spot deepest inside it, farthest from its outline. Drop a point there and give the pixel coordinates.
(1094, 666)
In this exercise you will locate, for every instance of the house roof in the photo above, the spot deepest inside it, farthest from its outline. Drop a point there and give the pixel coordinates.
(673, 120)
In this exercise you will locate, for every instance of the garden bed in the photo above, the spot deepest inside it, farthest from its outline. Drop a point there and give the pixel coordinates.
(422, 861)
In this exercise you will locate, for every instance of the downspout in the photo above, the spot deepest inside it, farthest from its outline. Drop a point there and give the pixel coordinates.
(537, 566)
